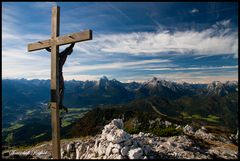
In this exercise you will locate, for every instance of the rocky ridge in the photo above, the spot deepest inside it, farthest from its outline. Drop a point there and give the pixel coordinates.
(115, 143)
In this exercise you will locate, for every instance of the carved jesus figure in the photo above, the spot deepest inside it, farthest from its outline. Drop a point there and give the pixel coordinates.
(62, 59)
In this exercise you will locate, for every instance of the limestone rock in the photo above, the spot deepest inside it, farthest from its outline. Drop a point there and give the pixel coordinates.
(135, 153)
(188, 130)
(115, 143)
(115, 150)
(117, 136)
(178, 127)
(203, 135)
(42, 154)
(70, 148)
(124, 151)
(109, 149)
(167, 123)
(80, 151)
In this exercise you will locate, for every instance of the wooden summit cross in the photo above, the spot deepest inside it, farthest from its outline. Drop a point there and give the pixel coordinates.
(54, 43)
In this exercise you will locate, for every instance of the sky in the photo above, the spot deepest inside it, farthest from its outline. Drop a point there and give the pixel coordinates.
(132, 41)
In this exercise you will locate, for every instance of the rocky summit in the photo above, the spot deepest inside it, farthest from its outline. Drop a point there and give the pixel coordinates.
(115, 143)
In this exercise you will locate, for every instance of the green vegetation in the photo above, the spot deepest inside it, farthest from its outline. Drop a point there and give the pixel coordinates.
(28, 147)
(22, 147)
(65, 123)
(35, 126)
(196, 116)
(168, 131)
(9, 139)
(132, 130)
(78, 109)
(38, 136)
(30, 112)
(212, 118)
(141, 124)
(184, 114)
(72, 115)
(209, 118)
(159, 131)
(15, 126)
(76, 115)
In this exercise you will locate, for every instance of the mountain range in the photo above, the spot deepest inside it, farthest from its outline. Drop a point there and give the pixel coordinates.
(105, 91)
(24, 104)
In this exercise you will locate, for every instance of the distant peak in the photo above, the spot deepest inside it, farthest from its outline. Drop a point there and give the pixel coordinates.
(216, 83)
(104, 78)
(154, 79)
(232, 82)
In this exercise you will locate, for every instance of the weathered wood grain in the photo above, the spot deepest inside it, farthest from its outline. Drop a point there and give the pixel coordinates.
(62, 40)
(55, 83)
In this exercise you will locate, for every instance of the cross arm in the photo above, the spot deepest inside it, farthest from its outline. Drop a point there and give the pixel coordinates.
(62, 40)
(75, 37)
(39, 45)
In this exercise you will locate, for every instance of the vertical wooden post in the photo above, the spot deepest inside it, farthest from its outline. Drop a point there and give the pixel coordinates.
(54, 43)
(55, 84)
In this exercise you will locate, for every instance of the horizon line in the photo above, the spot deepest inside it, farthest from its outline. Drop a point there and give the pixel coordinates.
(128, 81)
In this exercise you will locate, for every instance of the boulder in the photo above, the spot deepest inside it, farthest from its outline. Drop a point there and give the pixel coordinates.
(70, 148)
(81, 149)
(124, 151)
(178, 127)
(117, 135)
(203, 135)
(115, 150)
(109, 149)
(118, 123)
(236, 137)
(135, 153)
(127, 142)
(42, 154)
(188, 130)
(101, 150)
(167, 123)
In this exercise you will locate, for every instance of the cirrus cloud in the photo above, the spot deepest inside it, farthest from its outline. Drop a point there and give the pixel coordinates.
(218, 39)
(211, 41)
(194, 10)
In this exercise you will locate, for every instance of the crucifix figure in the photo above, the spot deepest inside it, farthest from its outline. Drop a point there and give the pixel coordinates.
(62, 59)
(57, 61)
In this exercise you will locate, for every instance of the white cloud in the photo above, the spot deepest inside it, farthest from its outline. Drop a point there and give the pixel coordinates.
(118, 65)
(206, 42)
(24, 37)
(20, 64)
(224, 23)
(194, 10)
(22, 55)
(83, 77)
(196, 77)
(190, 77)
(193, 68)
(200, 57)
